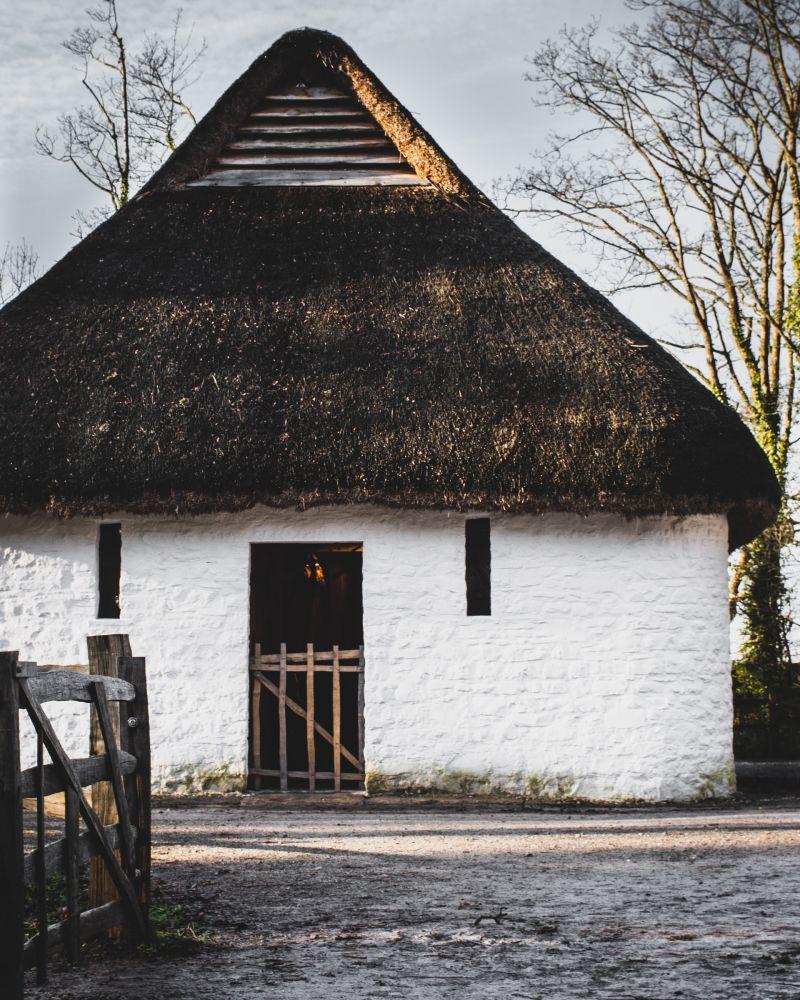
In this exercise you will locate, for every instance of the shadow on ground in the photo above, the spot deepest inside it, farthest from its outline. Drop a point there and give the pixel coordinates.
(339, 903)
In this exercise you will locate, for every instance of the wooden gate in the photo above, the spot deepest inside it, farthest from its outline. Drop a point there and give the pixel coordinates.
(124, 846)
(269, 673)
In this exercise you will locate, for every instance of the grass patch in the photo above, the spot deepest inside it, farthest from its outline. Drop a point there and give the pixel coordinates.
(175, 930)
(56, 893)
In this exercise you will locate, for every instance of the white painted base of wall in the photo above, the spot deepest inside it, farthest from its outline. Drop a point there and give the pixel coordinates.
(603, 671)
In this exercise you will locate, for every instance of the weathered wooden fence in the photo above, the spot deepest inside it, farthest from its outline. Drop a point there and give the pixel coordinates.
(119, 704)
(269, 672)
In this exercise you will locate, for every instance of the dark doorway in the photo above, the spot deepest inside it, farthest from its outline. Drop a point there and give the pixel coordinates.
(303, 595)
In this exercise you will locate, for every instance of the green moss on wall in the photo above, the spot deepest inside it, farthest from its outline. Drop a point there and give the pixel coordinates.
(196, 779)
(442, 781)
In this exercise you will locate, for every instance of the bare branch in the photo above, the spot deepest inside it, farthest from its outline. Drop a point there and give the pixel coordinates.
(19, 266)
(136, 111)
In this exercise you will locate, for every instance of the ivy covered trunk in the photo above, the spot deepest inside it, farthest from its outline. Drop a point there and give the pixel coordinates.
(765, 680)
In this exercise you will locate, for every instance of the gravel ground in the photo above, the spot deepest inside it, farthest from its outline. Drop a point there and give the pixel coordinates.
(405, 903)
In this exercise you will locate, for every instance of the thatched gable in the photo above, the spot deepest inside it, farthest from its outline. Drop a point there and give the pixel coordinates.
(209, 348)
(313, 58)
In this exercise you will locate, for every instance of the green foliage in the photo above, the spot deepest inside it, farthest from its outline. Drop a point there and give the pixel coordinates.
(175, 930)
(765, 681)
(56, 891)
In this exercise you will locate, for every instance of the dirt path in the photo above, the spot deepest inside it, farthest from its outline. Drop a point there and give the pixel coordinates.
(409, 905)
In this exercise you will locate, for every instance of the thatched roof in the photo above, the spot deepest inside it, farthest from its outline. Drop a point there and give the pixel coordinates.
(212, 348)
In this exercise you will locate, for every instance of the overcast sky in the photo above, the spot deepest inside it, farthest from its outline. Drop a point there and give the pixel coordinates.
(457, 64)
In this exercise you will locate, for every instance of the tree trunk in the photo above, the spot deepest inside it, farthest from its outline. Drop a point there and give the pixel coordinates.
(763, 675)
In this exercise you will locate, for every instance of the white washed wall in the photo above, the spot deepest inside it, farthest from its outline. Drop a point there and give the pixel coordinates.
(603, 671)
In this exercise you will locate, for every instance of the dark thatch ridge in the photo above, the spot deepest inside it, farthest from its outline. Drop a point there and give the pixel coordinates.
(209, 349)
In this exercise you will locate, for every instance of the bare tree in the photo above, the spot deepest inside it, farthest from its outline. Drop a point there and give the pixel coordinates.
(136, 108)
(681, 173)
(19, 266)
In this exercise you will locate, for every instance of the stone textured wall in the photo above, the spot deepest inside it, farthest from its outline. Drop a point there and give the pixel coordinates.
(602, 672)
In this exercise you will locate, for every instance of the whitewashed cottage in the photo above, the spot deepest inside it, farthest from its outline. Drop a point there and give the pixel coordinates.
(311, 387)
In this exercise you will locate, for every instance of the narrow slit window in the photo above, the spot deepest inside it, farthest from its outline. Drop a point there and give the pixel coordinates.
(478, 566)
(109, 565)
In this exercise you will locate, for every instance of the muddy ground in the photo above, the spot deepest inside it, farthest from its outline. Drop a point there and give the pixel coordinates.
(410, 903)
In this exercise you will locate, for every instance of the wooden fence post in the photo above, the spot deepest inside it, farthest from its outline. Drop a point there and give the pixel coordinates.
(310, 744)
(72, 873)
(337, 723)
(135, 739)
(360, 682)
(12, 890)
(283, 757)
(104, 651)
(255, 713)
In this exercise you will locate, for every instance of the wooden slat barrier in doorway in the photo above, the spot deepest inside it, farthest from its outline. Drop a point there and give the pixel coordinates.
(312, 662)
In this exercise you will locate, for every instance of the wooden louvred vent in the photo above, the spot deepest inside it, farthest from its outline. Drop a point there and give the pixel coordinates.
(309, 135)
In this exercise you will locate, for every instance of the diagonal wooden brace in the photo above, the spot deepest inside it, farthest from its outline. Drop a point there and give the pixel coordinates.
(299, 710)
(112, 750)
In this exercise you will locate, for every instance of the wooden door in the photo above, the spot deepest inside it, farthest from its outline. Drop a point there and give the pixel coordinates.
(307, 666)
